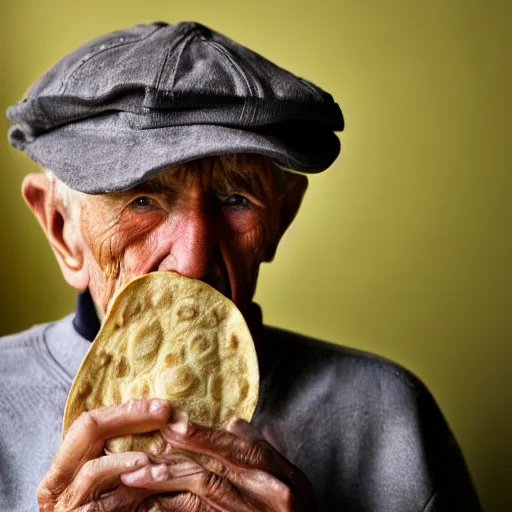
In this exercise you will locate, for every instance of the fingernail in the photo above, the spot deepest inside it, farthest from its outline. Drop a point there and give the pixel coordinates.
(133, 477)
(232, 423)
(167, 450)
(157, 406)
(160, 473)
(140, 460)
(179, 422)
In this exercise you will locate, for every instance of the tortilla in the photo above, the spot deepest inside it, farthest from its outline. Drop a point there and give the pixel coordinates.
(167, 336)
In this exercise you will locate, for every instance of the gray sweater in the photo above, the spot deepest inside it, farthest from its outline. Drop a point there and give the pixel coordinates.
(365, 431)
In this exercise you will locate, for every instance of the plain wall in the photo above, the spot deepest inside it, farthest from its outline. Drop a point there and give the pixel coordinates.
(403, 247)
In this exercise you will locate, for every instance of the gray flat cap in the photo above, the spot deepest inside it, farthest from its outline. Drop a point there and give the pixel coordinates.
(142, 100)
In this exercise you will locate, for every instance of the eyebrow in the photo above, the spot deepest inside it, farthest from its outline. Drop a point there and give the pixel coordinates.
(249, 182)
(151, 186)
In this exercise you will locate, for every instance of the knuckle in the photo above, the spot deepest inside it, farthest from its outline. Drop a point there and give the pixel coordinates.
(143, 459)
(212, 485)
(191, 503)
(253, 455)
(87, 422)
(182, 502)
(221, 470)
(146, 473)
(135, 405)
(243, 452)
(286, 497)
(160, 473)
(50, 488)
(89, 472)
(67, 502)
(266, 450)
(45, 497)
(213, 465)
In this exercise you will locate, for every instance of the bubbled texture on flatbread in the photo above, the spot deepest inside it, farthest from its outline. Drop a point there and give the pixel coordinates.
(167, 336)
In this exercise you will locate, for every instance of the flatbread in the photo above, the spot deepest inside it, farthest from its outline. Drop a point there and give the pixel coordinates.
(167, 336)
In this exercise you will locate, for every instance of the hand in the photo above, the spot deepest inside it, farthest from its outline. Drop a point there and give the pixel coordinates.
(80, 479)
(207, 470)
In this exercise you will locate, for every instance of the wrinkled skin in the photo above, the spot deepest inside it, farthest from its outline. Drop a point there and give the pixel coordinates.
(200, 469)
(200, 220)
(213, 219)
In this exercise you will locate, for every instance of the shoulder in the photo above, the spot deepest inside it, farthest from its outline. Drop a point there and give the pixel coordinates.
(374, 377)
(12, 346)
(30, 413)
(25, 360)
(387, 430)
(368, 392)
(51, 351)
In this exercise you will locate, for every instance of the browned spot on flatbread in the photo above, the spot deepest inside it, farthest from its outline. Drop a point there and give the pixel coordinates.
(215, 387)
(122, 368)
(85, 389)
(104, 359)
(173, 359)
(187, 312)
(233, 342)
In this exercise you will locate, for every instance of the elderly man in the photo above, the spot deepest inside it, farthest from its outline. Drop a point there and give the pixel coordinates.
(168, 147)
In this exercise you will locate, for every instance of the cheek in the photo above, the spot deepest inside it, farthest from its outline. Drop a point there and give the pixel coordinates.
(241, 221)
(138, 256)
(248, 244)
(252, 242)
(132, 230)
(119, 254)
(252, 234)
(128, 235)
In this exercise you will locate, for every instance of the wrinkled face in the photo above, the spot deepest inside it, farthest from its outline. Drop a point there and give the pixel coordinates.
(214, 219)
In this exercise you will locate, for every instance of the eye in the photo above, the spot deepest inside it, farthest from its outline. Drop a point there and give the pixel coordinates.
(142, 203)
(236, 201)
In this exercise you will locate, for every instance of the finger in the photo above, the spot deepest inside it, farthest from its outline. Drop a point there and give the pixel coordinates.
(187, 475)
(120, 500)
(174, 475)
(86, 438)
(227, 447)
(230, 449)
(182, 502)
(242, 429)
(99, 475)
(218, 484)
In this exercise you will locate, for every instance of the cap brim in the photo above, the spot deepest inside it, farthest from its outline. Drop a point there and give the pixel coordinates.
(105, 154)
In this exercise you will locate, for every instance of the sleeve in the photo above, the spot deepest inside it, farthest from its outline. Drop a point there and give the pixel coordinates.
(453, 488)
(407, 458)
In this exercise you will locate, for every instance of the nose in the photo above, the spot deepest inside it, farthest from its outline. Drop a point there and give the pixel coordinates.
(191, 247)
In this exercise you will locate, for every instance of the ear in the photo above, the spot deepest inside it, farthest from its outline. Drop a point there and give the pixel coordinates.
(290, 204)
(39, 194)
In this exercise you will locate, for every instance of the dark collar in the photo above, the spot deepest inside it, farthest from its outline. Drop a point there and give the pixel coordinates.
(86, 321)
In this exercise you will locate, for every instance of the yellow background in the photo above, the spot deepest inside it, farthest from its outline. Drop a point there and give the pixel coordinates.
(402, 248)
